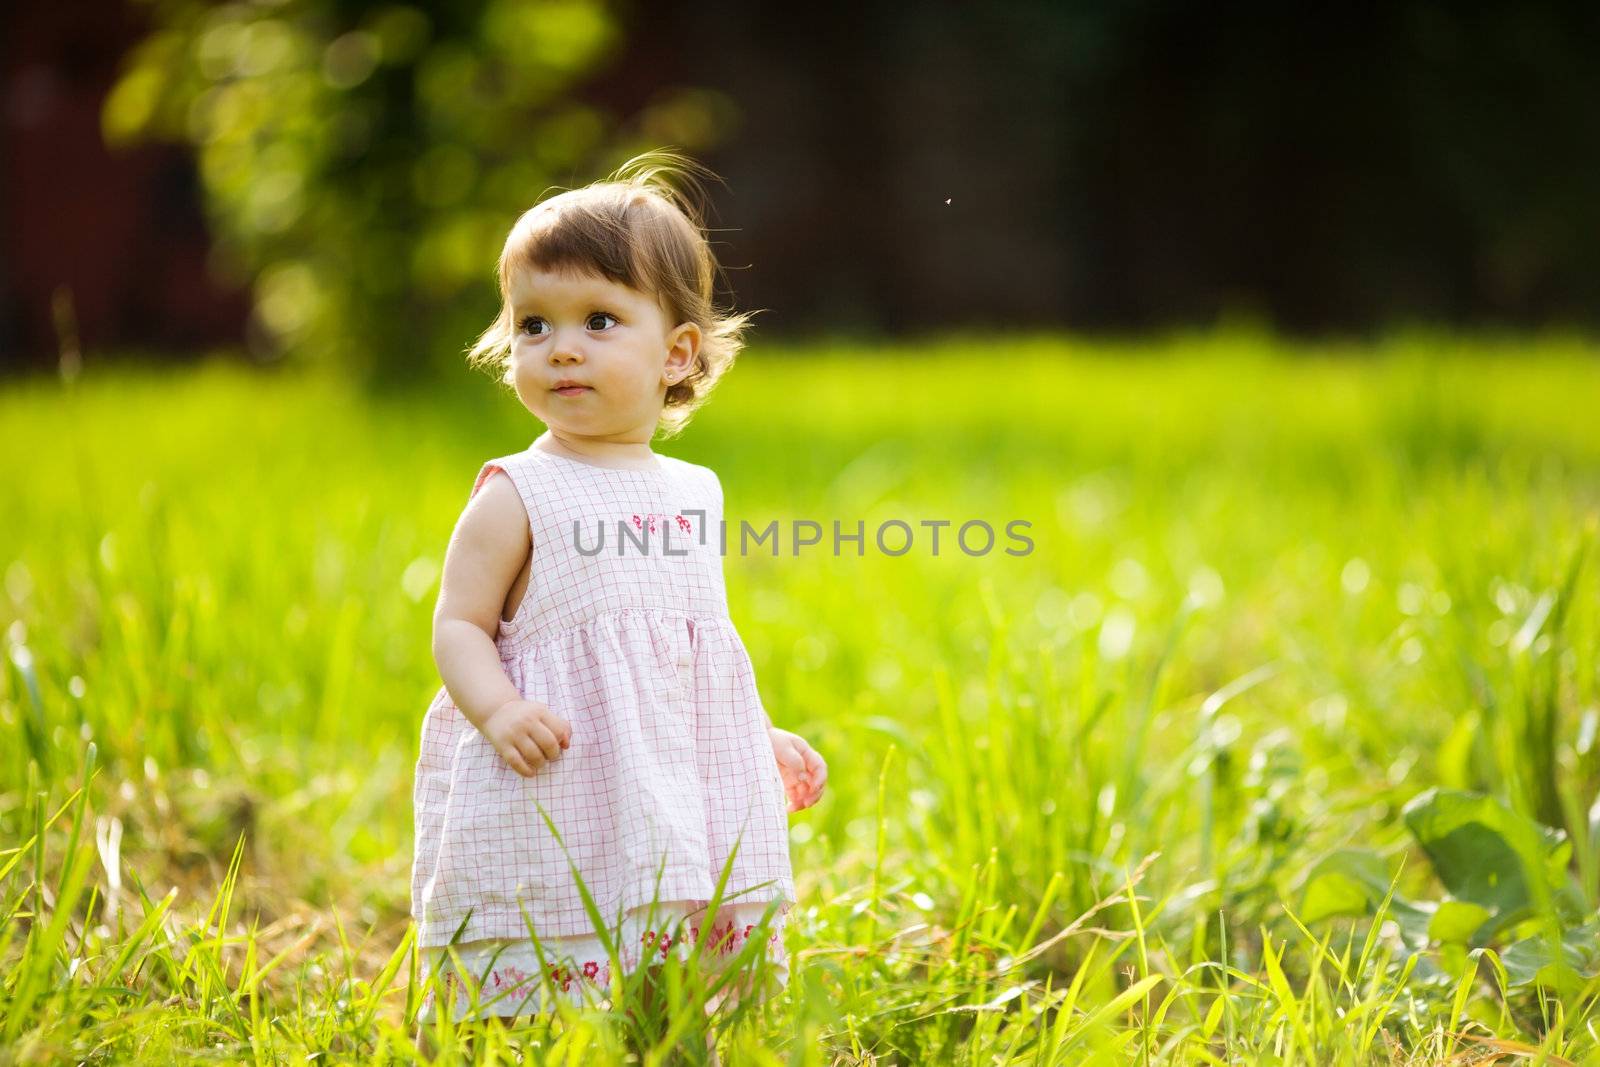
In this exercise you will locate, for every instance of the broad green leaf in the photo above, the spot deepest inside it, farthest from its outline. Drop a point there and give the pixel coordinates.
(1346, 882)
(1529, 961)
(1456, 921)
(1486, 854)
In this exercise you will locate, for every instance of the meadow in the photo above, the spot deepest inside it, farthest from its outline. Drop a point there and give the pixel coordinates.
(1280, 746)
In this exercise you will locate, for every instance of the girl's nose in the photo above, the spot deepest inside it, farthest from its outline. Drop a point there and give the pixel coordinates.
(564, 351)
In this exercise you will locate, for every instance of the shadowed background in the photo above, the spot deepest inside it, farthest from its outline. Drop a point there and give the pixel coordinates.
(348, 169)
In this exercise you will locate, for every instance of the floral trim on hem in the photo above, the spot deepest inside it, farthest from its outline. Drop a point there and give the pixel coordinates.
(724, 939)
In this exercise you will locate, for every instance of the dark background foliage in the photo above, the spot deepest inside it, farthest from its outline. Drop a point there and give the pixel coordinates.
(329, 181)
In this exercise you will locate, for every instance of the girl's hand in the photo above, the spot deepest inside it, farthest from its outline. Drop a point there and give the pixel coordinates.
(804, 772)
(527, 734)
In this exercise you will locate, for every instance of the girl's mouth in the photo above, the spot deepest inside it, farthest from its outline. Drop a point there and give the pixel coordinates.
(573, 390)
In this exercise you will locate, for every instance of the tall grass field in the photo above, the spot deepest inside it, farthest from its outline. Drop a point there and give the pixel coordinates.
(1279, 745)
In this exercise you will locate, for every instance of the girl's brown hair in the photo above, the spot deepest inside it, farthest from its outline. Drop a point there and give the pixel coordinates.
(636, 227)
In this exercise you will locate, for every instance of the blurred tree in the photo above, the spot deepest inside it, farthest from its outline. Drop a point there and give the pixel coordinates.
(362, 164)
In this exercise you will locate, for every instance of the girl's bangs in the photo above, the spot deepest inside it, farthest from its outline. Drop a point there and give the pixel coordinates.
(576, 240)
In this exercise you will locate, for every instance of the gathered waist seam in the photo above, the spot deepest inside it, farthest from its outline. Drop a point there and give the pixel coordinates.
(528, 638)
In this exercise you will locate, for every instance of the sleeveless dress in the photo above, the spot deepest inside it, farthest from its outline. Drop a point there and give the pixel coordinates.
(669, 777)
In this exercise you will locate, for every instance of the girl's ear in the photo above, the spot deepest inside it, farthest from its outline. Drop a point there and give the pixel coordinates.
(683, 345)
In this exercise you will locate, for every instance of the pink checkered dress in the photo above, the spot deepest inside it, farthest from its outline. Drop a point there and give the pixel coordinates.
(670, 762)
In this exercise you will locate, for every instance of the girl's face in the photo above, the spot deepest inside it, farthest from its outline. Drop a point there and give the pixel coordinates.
(614, 342)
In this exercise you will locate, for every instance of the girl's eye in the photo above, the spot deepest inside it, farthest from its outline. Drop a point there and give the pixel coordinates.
(531, 323)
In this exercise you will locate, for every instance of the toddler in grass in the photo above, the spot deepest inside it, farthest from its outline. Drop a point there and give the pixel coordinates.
(599, 717)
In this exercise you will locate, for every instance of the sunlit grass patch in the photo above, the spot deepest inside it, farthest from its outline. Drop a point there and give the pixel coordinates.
(1281, 745)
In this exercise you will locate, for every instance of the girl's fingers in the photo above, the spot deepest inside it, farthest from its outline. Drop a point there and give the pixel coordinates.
(816, 767)
(818, 779)
(547, 741)
(518, 764)
(530, 757)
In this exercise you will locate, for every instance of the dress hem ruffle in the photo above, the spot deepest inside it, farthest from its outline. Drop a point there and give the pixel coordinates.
(506, 921)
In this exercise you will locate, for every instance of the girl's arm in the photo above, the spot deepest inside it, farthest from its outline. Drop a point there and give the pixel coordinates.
(487, 550)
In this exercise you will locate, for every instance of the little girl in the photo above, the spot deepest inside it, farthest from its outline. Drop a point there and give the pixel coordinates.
(599, 715)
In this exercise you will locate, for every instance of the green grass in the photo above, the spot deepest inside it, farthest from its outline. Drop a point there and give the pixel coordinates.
(1139, 796)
